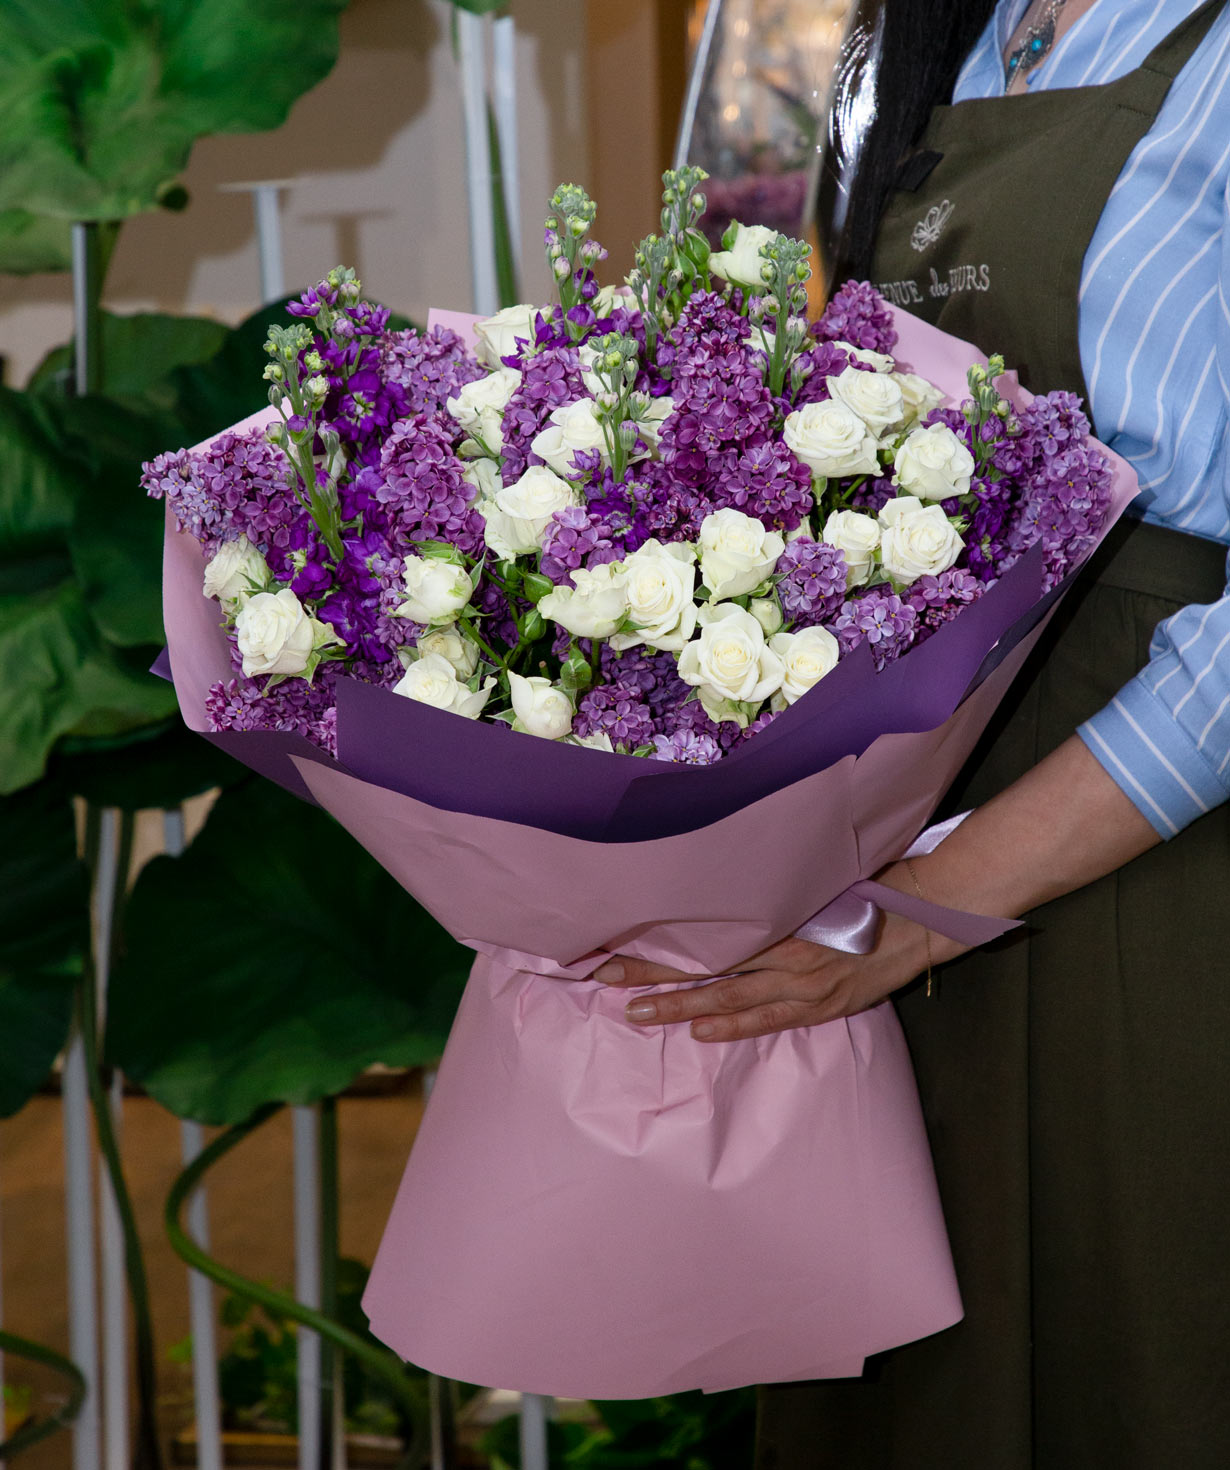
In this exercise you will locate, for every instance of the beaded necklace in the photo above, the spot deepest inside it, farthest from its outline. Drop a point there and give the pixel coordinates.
(1035, 44)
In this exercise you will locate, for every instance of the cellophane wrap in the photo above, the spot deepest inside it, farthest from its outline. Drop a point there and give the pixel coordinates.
(600, 1210)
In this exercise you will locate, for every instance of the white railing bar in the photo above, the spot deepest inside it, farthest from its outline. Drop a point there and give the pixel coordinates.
(478, 161)
(207, 1412)
(504, 91)
(306, 1129)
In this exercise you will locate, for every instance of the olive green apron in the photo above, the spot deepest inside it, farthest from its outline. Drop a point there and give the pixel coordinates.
(1076, 1079)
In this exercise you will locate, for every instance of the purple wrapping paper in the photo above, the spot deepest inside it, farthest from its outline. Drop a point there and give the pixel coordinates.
(602, 1210)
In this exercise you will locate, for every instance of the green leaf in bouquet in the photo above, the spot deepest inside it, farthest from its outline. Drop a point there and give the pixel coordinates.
(273, 962)
(103, 99)
(43, 891)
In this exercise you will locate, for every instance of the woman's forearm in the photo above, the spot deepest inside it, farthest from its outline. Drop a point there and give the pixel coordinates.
(1060, 826)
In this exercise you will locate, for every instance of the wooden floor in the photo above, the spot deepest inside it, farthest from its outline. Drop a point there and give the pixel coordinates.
(250, 1223)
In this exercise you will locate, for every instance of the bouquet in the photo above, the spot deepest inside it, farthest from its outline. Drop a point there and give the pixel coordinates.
(651, 621)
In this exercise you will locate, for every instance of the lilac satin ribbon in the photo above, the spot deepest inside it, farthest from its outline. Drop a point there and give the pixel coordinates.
(849, 923)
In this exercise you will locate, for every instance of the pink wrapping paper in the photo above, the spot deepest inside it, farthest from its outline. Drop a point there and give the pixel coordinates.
(599, 1210)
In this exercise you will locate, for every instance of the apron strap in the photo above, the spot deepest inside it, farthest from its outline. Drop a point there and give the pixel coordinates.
(1173, 52)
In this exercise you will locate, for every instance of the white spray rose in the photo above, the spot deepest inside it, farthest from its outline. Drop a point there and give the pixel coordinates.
(730, 663)
(484, 475)
(920, 396)
(933, 464)
(277, 635)
(737, 553)
(517, 517)
(595, 604)
(497, 335)
(436, 591)
(806, 657)
(609, 297)
(234, 572)
(569, 429)
(595, 740)
(768, 613)
(659, 584)
(831, 439)
(449, 643)
(857, 537)
(433, 680)
(880, 361)
(743, 262)
(649, 425)
(479, 406)
(917, 540)
(540, 708)
(875, 397)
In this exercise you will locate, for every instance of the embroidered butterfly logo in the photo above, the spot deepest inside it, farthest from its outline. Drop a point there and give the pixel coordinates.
(927, 230)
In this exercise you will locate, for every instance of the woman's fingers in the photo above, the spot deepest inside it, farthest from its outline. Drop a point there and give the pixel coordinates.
(623, 970)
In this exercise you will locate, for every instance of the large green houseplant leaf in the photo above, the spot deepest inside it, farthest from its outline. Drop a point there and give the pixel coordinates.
(103, 99)
(273, 962)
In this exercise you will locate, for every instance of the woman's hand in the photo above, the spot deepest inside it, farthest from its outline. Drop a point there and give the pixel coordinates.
(793, 983)
(1061, 825)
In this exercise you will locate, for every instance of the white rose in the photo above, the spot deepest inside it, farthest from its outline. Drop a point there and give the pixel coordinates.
(436, 591)
(276, 635)
(857, 537)
(569, 429)
(484, 475)
(595, 740)
(877, 360)
(768, 613)
(918, 540)
(497, 335)
(480, 405)
(235, 571)
(595, 604)
(517, 517)
(920, 396)
(450, 644)
(934, 463)
(730, 661)
(875, 397)
(737, 553)
(806, 657)
(659, 584)
(540, 708)
(831, 439)
(743, 262)
(433, 680)
(589, 355)
(609, 297)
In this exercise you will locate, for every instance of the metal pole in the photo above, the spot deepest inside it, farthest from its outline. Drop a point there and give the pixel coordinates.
(206, 1400)
(266, 207)
(116, 1438)
(82, 1281)
(535, 1411)
(87, 308)
(478, 161)
(306, 1127)
(696, 82)
(504, 90)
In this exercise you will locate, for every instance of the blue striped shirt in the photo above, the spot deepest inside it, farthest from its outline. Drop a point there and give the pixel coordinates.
(1155, 348)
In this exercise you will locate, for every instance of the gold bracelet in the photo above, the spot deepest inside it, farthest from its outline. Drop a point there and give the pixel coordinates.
(909, 867)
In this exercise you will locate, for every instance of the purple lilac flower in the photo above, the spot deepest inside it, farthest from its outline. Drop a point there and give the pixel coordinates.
(880, 618)
(572, 539)
(420, 489)
(813, 584)
(768, 482)
(857, 314)
(294, 705)
(238, 486)
(937, 600)
(617, 712)
(686, 747)
(430, 367)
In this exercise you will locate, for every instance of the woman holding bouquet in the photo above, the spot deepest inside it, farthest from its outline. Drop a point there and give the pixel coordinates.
(1071, 210)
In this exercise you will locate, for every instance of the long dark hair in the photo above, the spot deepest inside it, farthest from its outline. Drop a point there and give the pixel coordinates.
(924, 43)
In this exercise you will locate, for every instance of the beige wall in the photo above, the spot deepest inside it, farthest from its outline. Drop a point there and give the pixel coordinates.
(376, 153)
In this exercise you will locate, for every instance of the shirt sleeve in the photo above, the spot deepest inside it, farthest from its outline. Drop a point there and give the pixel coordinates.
(1165, 737)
